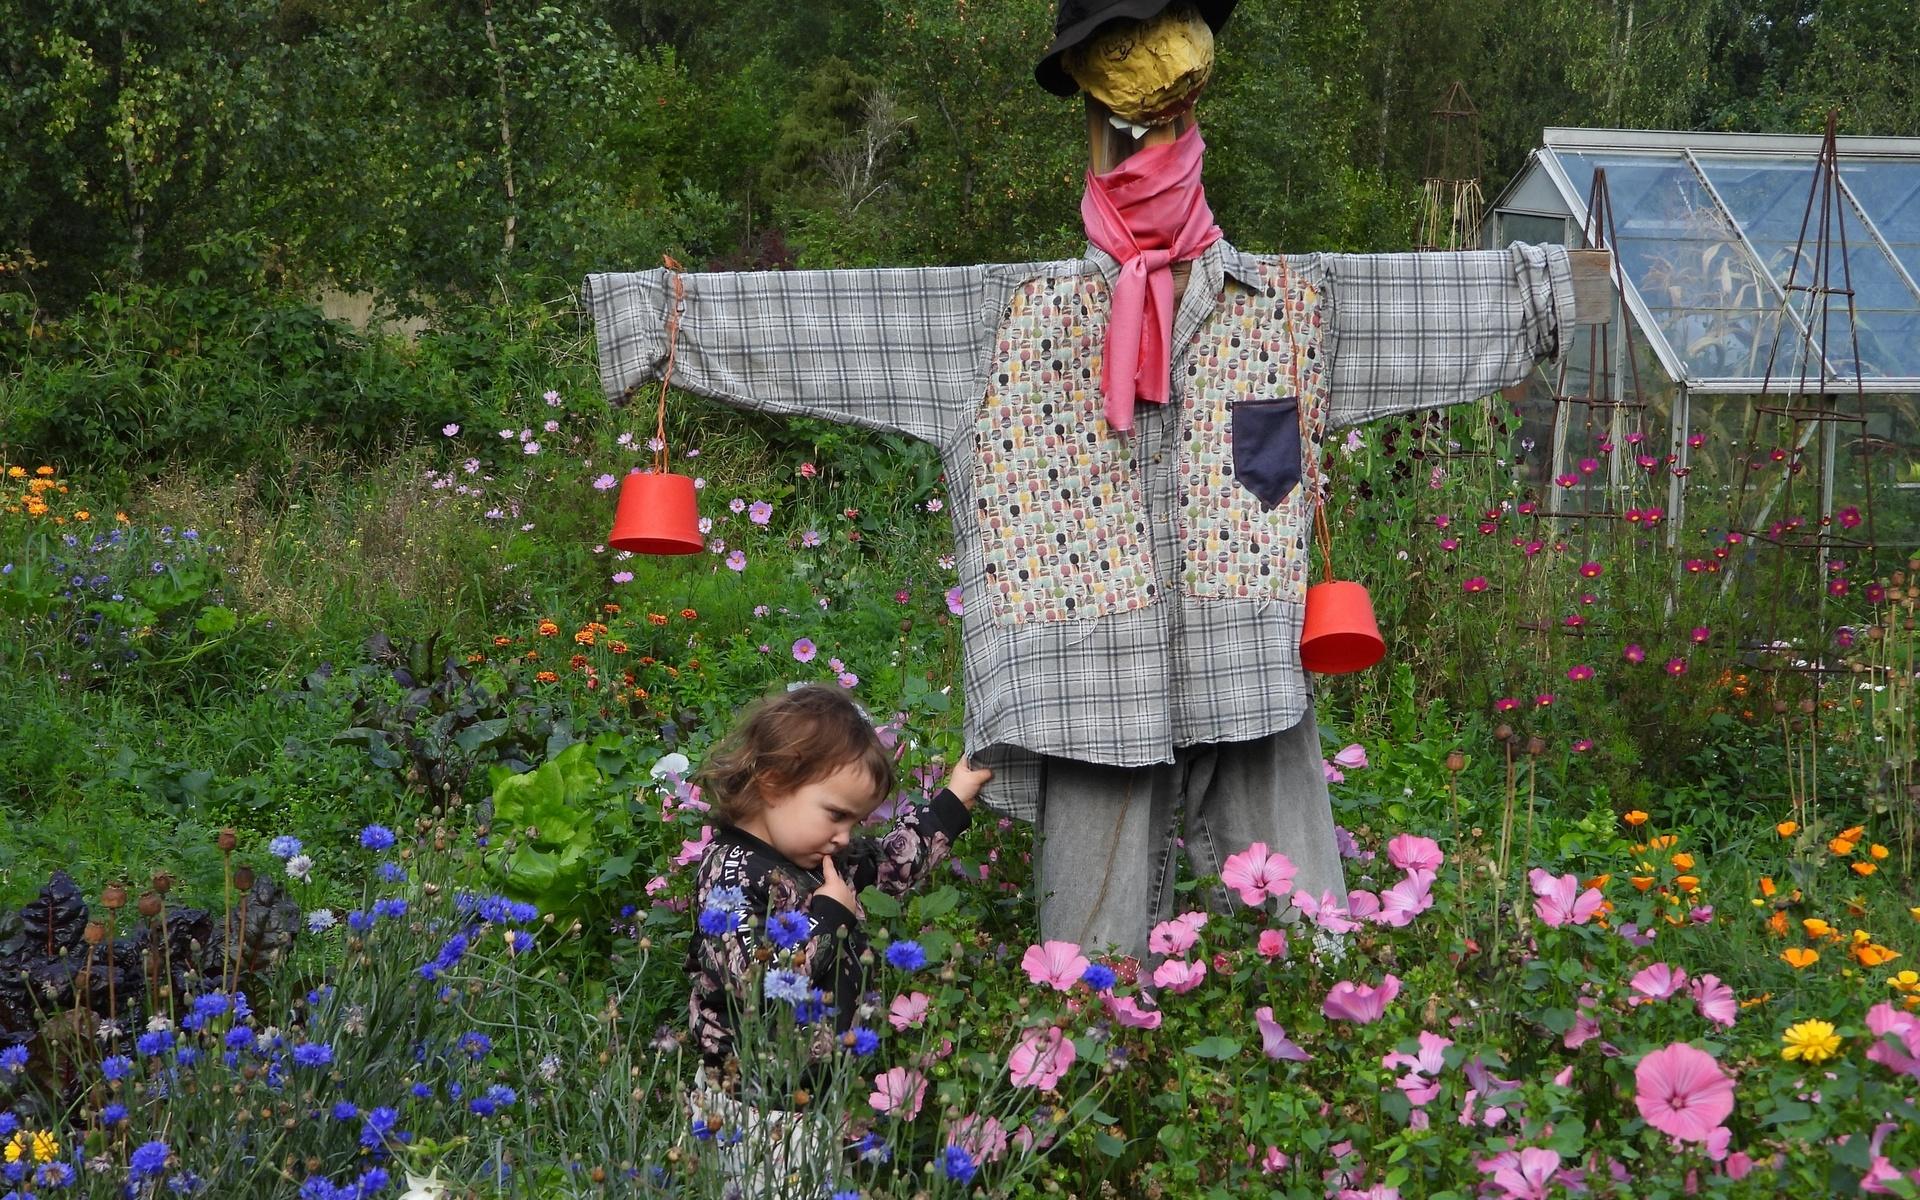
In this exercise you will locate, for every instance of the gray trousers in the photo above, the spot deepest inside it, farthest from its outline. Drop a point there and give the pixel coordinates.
(1105, 854)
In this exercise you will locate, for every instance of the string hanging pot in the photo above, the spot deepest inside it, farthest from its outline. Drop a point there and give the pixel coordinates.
(1339, 634)
(658, 512)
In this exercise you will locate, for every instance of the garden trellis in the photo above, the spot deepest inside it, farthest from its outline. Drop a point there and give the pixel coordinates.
(1708, 225)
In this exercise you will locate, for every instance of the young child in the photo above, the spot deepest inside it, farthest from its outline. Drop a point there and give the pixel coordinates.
(788, 787)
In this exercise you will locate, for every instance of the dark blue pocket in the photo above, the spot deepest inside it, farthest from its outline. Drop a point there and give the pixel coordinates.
(1266, 447)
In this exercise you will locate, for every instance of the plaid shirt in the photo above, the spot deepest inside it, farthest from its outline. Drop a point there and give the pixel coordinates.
(1122, 597)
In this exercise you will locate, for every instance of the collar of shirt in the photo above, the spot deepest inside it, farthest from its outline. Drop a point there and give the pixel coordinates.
(1196, 305)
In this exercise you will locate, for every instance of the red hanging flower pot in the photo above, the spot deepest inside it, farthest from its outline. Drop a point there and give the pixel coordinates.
(658, 511)
(1339, 634)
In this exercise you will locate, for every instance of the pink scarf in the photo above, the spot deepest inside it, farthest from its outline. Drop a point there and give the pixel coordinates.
(1149, 213)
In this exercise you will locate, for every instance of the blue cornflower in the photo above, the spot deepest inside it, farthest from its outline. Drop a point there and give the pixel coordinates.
(54, 1175)
(13, 1059)
(454, 1090)
(701, 1130)
(733, 899)
(317, 1187)
(284, 846)
(238, 1038)
(958, 1164)
(213, 1004)
(8, 1124)
(790, 986)
(907, 956)
(502, 1095)
(391, 906)
(451, 953)
(865, 1041)
(482, 1106)
(312, 1054)
(392, 872)
(1097, 976)
(847, 1194)
(345, 1110)
(373, 1179)
(495, 909)
(476, 1044)
(148, 1160)
(716, 922)
(383, 1119)
(422, 1091)
(873, 1148)
(185, 1183)
(358, 921)
(815, 1008)
(13, 1172)
(377, 837)
(186, 1056)
(113, 1114)
(156, 1042)
(789, 929)
(320, 995)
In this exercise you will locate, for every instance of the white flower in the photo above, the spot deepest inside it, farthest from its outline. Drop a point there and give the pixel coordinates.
(426, 1187)
(550, 1068)
(672, 764)
(158, 1024)
(300, 867)
(320, 920)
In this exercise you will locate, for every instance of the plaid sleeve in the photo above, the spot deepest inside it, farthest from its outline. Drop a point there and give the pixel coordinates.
(1417, 331)
(900, 350)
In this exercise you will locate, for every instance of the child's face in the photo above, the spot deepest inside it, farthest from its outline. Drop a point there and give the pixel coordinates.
(816, 819)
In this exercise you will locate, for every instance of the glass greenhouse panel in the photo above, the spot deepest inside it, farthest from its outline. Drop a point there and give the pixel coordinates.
(1890, 193)
(1712, 301)
(1882, 460)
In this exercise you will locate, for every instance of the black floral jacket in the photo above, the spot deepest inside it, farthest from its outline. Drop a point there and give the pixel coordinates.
(726, 961)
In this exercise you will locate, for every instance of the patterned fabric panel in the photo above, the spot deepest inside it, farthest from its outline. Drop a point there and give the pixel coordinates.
(1264, 344)
(1061, 524)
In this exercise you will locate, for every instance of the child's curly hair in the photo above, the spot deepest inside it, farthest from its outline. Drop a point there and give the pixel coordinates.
(786, 741)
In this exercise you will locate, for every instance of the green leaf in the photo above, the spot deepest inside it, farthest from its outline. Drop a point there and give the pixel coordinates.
(216, 620)
(878, 904)
(1787, 1110)
(1108, 1144)
(938, 903)
(1217, 1047)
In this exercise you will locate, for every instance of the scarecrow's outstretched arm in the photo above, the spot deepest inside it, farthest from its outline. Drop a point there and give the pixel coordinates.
(896, 349)
(1417, 331)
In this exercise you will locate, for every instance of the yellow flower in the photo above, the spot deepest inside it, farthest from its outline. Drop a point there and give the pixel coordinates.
(16, 472)
(43, 472)
(45, 1149)
(1810, 1041)
(1799, 958)
(1904, 981)
(1787, 828)
(1636, 817)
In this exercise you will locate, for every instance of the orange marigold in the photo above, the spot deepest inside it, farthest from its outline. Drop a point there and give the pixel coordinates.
(577, 661)
(617, 646)
(548, 629)
(546, 677)
(688, 614)
(657, 618)
(584, 637)
(1778, 923)
(503, 641)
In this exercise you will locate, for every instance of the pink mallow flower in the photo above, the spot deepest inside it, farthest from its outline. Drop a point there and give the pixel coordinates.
(1273, 1039)
(1561, 902)
(1682, 1092)
(1656, 982)
(1714, 1000)
(1059, 965)
(908, 1010)
(1257, 873)
(1885, 1019)
(1272, 943)
(1041, 1059)
(1178, 975)
(900, 1092)
(1178, 935)
(1326, 911)
(1527, 1175)
(1405, 900)
(1421, 1083)
(1363, 1005)
(1127, 1011)
(1411, 852)
(690, 851)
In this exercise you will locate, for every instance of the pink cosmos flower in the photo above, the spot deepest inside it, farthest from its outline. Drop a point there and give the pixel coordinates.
(1348, 1001)
(1884, 1020)
(760, 512)
(908, 1010)
(1272, 943)
(848, 679)
(1127, 1011)
(1714, 1000)
(810, 538)
(1177, 936)
(690, 851)
(1561, 902)
(804, 650)
(1257, 874)
(1477, 584)
(1580, 673)
(956, 604)
(1412, 852)
(1633, 653)
(737, 561)
(1421, 1082)
(1656, 982)
(1274, 1040)
(1676, 666)
(1178, 975)
(1405, 900)
(1326, 911)
(1682, 1092)
(899, 1091)
(1059, 965)
(1041, 1058)
(1529, 1175)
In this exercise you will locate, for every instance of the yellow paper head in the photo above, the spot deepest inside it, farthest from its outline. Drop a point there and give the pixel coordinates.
(1147, 72)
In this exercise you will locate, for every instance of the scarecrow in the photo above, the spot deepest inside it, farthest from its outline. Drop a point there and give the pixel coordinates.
(1132, 440)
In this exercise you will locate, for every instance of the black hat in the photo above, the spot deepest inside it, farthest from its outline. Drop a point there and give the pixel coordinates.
(1079, 20)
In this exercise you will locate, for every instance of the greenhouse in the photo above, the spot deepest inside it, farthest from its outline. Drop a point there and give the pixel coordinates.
(1708, 367)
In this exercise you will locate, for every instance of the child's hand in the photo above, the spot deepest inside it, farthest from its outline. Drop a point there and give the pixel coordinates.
(835, 888)
(967, 780)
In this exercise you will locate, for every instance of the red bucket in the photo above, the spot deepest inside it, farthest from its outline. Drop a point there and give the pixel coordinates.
(657, 515)
(1339, 634)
